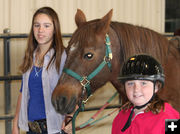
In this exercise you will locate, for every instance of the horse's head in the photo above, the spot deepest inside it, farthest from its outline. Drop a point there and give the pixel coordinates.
(86, 51)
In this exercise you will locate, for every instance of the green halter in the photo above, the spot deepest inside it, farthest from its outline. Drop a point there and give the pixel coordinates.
(85, 80)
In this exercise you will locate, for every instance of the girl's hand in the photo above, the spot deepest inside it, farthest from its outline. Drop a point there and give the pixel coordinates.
(15, 129)
(67, 125)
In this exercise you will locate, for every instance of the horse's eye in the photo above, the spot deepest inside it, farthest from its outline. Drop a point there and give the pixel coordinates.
(88, 56)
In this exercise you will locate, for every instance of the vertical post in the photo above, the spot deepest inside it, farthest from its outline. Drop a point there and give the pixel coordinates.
(7, 91)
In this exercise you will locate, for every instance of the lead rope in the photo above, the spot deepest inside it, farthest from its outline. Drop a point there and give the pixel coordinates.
(94, 122)
(89, 122)
(74, 119)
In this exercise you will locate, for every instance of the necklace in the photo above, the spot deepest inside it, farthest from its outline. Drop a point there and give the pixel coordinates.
(38, 61)
(37, 71)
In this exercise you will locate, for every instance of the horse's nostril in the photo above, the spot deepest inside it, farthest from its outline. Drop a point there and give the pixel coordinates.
(59, 103)
(62, 102)
(54, 103)
(63, 106)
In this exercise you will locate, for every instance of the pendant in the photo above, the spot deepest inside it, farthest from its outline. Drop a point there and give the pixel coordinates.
(37, 72)
(36, 75)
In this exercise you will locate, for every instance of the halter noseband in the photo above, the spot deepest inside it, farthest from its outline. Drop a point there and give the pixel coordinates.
(85, 80)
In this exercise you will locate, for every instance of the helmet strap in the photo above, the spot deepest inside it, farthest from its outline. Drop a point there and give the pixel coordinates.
(128, 123)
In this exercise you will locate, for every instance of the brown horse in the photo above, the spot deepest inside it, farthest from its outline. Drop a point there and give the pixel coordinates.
(86, 51)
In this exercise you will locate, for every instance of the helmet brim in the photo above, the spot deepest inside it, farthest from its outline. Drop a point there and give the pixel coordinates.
(153, 78)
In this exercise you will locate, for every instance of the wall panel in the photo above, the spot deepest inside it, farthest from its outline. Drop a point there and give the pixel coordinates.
(17, 14)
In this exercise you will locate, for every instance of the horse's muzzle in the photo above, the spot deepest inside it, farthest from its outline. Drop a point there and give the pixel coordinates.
(64, 106)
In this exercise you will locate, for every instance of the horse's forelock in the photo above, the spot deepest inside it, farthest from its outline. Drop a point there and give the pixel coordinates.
(83, 33)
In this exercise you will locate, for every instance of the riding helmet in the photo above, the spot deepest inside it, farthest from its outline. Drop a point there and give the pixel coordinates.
(142, 67)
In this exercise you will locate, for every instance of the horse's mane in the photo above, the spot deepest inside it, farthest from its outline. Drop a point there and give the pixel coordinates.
(136, 40)
(133, 39)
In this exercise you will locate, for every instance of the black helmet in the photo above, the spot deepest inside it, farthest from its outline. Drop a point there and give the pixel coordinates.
(142, 67)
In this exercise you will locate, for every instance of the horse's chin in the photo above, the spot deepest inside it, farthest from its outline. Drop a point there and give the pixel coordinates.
(64, 106)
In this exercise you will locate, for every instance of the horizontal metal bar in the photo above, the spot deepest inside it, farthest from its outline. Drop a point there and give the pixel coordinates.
(26, 35)
(6, 117)
(13, 35)
(6, 78)
(63, 35)
(10, 117)
(97, 108)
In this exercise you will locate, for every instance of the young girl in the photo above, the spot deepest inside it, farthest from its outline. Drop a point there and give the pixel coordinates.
(42, 66)
(144, 113)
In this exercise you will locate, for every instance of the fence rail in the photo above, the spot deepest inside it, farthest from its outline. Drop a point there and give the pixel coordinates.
(12, 77)
(23, 35)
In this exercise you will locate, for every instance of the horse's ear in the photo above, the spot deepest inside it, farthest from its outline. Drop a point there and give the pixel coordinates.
(80, 18)
(104, 24)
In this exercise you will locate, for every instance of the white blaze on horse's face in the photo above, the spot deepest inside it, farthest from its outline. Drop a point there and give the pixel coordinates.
(74, 47)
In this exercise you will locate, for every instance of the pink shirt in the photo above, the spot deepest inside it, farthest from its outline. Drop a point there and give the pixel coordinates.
(144, 123)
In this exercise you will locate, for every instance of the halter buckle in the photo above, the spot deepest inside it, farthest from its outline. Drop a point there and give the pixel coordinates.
(84, 81)
(85, 101)
(107, 59)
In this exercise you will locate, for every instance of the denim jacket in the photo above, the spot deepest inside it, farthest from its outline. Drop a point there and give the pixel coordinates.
(50, 78)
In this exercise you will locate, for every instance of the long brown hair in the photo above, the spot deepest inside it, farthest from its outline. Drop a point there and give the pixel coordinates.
(32, 44)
